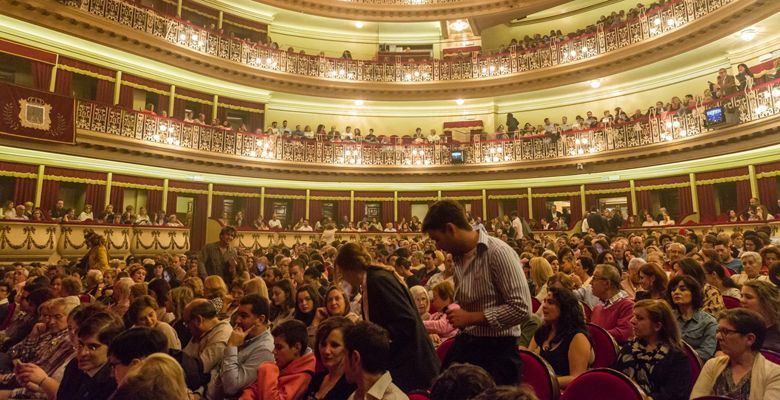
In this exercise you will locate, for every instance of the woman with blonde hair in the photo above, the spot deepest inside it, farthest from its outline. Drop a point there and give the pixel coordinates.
(388, 303)
(541, 271)
(178, 299)
(158, 376)
(256, 285)
(764, 298)
(215, 290)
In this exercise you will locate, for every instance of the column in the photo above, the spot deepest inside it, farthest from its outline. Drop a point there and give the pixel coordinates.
(308, 192)
(352, 205)
(395, 206)
(484, 205)
(633, 197)
(210, 200)
(117, 88)
(214, 107)
(530, 204)
(109, 179)
(53, 80)
(262, 201)
(694, 194)
(165, 197)
(171, 101)
(753, 181)
(178, 8)
(220, 18)
(438, 195)
(583, 202)
(39, 185)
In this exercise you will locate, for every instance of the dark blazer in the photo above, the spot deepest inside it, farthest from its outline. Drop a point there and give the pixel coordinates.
(413, 360)
(213, 262)
(597, 222)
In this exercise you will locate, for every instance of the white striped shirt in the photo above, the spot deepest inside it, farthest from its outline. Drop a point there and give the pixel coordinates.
(494, 284)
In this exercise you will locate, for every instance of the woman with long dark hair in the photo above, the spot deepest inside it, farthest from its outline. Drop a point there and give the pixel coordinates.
(696, 326)
(307, 300)
(563, 340)
(282, 302)
(716, 276)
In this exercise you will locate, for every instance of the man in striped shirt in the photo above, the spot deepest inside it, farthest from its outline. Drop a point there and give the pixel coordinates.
(490, 289)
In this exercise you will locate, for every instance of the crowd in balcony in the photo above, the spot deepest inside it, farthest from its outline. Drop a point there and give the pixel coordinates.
(27, 211)
(385, 317)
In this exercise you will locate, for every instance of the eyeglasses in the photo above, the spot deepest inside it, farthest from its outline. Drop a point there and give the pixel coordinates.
(88, 347)
(726, 331)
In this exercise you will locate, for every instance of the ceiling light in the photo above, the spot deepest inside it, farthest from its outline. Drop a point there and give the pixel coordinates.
(459, 25)
(459, 102)
(595, 84)
(358, 24)
(748, 34)
(765, 57)
(359, 103)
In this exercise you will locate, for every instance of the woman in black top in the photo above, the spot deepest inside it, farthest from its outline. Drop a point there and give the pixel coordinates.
(563, 339)
(655, 358)
(744, 77)
(330, 384)
(388, 303)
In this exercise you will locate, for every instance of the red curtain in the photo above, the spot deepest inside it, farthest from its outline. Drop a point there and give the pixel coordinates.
(767, 189)
(251, 209)
(162, 103)
(41, 74)
(344, 210)
(315, 210)
(255, 121)
(298, 210)
(217, 206)
(591, 200)
(170, 207)
(153, 201)
(117, 199)
(95, 196)
(492, 208)
(405, 210)
(706, 194)
(178, 108)
(24, 189)
(360, 210)
(522, 207)
(64, 83)
(198, 228)
(642, 202)
(222, 113)
(126, 96)
(743, 195)
(476, 208)
(105, 92)
(686, 202)
(388, 212)
(575, 209)
(539, 207)
(49, 194)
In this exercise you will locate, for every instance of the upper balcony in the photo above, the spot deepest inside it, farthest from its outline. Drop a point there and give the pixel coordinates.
(656, 34)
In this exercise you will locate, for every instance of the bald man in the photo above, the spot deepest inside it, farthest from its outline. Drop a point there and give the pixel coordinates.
(209, 334)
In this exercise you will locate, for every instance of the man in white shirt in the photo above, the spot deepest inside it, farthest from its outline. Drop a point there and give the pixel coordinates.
(285, 129)
(565, 126)
(305, 227)
(274, 223)
(433, 137)
(389, 227)
(517, 224)
(17, 213)
(368, 350)
(87, 213)
(274, 129)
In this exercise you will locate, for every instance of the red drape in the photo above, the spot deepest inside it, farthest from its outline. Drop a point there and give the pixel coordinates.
(388, 212)
(315, 210)
(685, 201)
(642, 202)
(170, 207)
(255, 121)
(41, 74)
(706, 194)
(105, 91)
(178, 108)
(405, 210)
(476, 208)
(64, 83)
(492, 208)
(767, 189)
(522, 207)
(591, 200)
(743, 195)
(344, 210)
(298, 210)
(95, 196)
(126, 96)
(217, 206)
(24, 189)
(360, 210)
(251, 209)
(117, 199)
(162, 103)
(575, 209)
(221, 113)
(153, 201)
(539, 208)
(49, 194)
(198, 228)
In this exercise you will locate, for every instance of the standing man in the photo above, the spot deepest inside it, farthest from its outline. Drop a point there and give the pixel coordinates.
(596, 221)
(215, 256)
(491, 290)
(517, 225)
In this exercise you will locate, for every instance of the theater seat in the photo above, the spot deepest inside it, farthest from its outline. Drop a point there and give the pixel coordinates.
(604, 346)
(422, 395)
(443, 348)
(772, 356)
(535, 304)
(600, 384)
(695, 361)
(587, 310)
(731, 302)
(538, 374)
(713, 398)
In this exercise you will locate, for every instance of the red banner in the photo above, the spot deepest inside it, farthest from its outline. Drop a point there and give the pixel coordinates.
(37, 115)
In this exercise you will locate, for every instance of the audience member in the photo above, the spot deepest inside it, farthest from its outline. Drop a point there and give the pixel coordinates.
(614, 314)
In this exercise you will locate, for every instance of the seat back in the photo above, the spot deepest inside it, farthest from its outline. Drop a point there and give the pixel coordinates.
(443, 348)
(535, 304)
(602, 383)
(731, 302)
(770, 355)
(695, 361)
(712, 398)
(604, 346)
(538, 374)
(587, 310)
(419, 395)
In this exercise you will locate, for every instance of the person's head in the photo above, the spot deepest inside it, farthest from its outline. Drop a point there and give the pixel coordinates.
(252, 314)
(675, 251)
(763, 298)
(336, 303)
(562, 310)
(443, 295)
(685, 291)
(653, 279)
(461, 382)
(541, 271)
(751, 264)
(421, 299)
(689, 266)
(368, 350)
(606, 281)
(137, 273)
(132, 346)
(740, 331)
(178, 299)
(351, 262)
(723, 250)
(296, 273)
(200, 316)
(214, 286)
(290, 342)
(226, 235)
(329, 341)
(715, 274)
(143, 312)
(58, 309)
(307, 300)
(446, 224)
(32, 300)
(282, 295)
(654, 320)
(158, 376)
(94, 335)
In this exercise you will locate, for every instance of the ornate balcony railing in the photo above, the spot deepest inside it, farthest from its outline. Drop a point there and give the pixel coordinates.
(762, 101)
(648, 25)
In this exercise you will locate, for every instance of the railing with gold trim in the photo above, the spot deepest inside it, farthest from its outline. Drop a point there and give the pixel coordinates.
(44, 241)
(648, 25)
(763, 101)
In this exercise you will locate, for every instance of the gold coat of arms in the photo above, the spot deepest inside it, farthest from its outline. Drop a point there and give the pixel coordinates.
(35, 113)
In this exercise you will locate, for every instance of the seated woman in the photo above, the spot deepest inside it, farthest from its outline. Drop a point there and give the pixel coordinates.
(282, 302)
(330, 384)
(143, 312)
(764, 298)
(653, 281)
(563, 338)
(215, 290)
(696, 326)
(307, 302)
(422, 301)
(541, 271)
(438, 327)
(655, 358)
(713, 301)
(716, 277)
(742, 373)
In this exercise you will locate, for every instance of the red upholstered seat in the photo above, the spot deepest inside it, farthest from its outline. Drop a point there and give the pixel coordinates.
(418, 396)
(538, 374)
(695, 361)
(604, 346)
(772, 356)
(535, 304)
(712, 398)
(600, 384)
(731, 302)
(443, 348)
(587, 310)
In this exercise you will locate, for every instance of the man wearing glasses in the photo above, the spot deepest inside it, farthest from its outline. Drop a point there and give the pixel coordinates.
(616, 309)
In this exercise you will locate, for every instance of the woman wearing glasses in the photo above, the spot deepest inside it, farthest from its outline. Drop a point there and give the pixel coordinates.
(742, 373)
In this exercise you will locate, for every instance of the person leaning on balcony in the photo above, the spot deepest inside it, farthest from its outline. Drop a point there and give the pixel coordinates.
(512, 124)
(726, 83)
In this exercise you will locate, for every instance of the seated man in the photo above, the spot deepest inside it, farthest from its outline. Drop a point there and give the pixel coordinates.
(616, 309)
(289, 377)
(209, 334)
(365, 363)
(249, 345)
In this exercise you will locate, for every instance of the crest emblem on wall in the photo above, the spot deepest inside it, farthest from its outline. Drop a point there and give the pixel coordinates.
(35, 113)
